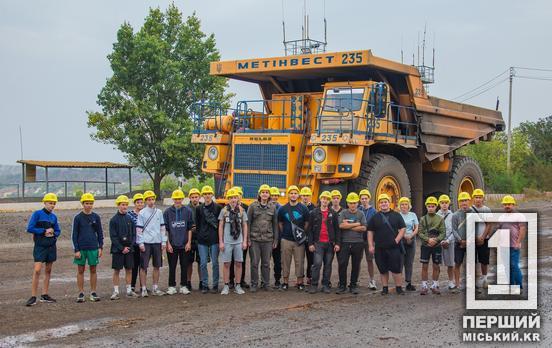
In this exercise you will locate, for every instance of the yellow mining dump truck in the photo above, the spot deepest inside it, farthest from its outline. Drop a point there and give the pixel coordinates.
(342, 120)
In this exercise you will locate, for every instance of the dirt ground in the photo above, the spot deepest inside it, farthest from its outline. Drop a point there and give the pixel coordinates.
(272, 318)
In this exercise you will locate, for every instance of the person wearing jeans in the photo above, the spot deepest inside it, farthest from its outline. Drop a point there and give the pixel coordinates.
(323, 235)
(207, 237)
(411, 222)
(352, 244)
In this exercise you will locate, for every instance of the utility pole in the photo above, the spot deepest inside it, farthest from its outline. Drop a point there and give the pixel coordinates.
(509, 139)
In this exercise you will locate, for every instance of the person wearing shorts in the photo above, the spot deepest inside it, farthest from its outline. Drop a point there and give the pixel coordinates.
(87, 236)
(44, 227)
(369, 212)
(232, 239)
(458, 223)
(482, 234)
(432, 232)
(385, 232)
(122, 232)
(151, 236)
(448, 243)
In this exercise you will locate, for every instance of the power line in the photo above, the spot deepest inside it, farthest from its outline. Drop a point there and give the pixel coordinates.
(533, 69)
(534, 78)
(480, 86)
(485, 90)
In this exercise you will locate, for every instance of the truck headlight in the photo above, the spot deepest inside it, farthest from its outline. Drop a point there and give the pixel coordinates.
(319, 154)
(212, 153)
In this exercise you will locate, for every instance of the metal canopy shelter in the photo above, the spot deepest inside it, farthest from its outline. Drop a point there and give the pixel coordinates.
(28, 172)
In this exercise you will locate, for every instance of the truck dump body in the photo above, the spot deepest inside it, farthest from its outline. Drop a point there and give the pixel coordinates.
(444, 125)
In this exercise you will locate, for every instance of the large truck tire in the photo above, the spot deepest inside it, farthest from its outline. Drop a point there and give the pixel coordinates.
(465, 176)
(382, 173)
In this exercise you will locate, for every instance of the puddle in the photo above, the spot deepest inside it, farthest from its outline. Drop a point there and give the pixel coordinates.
(53, 333)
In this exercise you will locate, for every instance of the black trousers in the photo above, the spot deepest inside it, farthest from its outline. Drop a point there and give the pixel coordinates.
(136, 265)
(354, 251)
(310, 260)
(232, 276)
(277, 259)
(178, 255)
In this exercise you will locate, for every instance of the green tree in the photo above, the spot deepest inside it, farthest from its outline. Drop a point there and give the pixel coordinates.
(158, 73)
(539, 136)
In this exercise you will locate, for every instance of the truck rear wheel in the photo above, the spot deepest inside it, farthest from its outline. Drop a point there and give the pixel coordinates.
(382, 173)
(465, 176)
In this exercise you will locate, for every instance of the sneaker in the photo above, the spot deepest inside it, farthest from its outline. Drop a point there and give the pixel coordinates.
(479, 283)
(94, 297)
(171, 290)
(189, 285)
(410, 287)
(424, 290)
(399, 290)
(214, 290)
(157, 292)
(435, 290)
(253, 289)
(326, 289)
(145, 293)
(225, 290)
(204, 290)
(300, 287)
(384, 290)
(285, 286)
(354, 289)
(453, 289)
(244, 285)
(372, 285)
(451, 285)
(184, 290)
(114, 295)
(265, 288)
(31, 301)
(277, 284)
(80, 298)
(131, 294)
(47, 299)
(238, 290)
(231, 285)
(341, 290)
(485, 284)
(313, 289)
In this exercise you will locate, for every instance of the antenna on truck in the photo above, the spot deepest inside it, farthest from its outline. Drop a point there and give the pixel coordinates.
(305, 45)
(427, 73)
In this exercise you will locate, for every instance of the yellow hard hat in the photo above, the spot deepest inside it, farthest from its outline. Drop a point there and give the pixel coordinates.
(232, 193)
(177, 194)
(444, 198)
(149, 194)
(264, 187)
(238, 190)
(383, 196)
(326, 194)
(194, 191)
(122, 199)
(50, 197)
(431, 200)
(464, 196)
(336, 193)
(478, 192)
(352, 197)
(137, 196)
(365, 192)
(508, 200)
(87, 197)
(404, 200)
(305, 191)
(207, 189)
(292, 188)
(274, 191)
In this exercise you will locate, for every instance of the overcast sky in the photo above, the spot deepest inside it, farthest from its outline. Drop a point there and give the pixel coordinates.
(53, 54)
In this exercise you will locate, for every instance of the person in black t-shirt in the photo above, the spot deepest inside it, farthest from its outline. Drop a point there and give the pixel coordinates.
(385, 232)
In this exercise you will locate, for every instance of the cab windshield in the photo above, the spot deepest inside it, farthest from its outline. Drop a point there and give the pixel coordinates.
(344, 99)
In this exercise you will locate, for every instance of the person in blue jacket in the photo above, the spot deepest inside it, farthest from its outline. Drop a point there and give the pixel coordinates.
(45, 229)
(87, 236)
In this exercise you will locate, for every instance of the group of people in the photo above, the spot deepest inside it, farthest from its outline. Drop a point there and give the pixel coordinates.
(203, 230)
